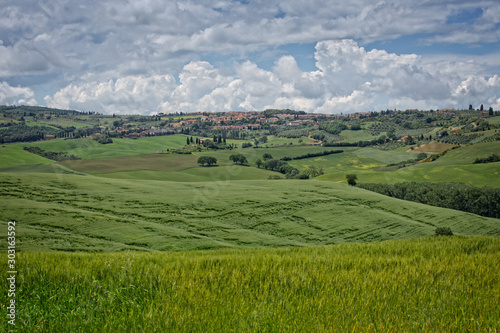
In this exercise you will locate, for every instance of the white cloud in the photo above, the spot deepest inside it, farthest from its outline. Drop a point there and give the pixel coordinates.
(113, 35)
(16, 95)
(127, 95)
(348, 79)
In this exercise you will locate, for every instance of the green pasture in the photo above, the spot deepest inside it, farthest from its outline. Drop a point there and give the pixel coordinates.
(467, 154)
(434, 284)
(62, 211)
(346, 162)
(386, 156)
(143, 162)
(276, 140)
(361, 135)
(470, 174)
(88, 148)
(195, 174)
(253, 154)
(455, 166)
(167, 167)
(14, 154)
(494, 120)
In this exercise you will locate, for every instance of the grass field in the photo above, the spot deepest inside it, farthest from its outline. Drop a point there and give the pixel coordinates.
(88, 148)
(162, 244)
(253, 154)
(456, 166)
(355, 136)
(57, 211)
(196, 174)
(434, 284)
(14, 154)
(470, 174)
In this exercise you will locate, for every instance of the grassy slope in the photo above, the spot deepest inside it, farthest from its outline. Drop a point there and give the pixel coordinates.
(455, 166)
(422, 285)
(72, 212)
(169, 167)
(88, 148)
(14, 154)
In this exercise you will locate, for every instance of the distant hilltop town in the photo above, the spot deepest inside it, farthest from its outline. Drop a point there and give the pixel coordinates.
(30, 123)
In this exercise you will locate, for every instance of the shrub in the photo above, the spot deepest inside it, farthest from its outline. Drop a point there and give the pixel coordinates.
(267, 156)
(351, 179)
(443, 231)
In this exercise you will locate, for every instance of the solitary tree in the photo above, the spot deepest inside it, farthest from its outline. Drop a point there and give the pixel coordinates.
(208, 160)
(238, 159)
(351, 179)
(443, 231)
(267, 156)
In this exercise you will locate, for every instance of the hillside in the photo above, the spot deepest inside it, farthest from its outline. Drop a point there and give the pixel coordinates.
(71, 212)
(140, 191)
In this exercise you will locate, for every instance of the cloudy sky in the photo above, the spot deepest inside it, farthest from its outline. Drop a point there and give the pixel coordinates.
(324, 56)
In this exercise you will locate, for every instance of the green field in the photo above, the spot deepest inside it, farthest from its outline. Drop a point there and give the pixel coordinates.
(57, 211)
(387, 156)
(433, 284)
(455, 166)
(136, 238)
(14, 154)
(88, 148)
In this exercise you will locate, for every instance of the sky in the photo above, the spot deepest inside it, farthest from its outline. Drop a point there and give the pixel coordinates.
(319, 56)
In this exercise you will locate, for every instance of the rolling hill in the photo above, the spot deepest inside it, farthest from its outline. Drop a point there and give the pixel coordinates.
(71, 212)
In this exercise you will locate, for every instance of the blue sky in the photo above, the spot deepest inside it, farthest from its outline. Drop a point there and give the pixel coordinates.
(324, 56)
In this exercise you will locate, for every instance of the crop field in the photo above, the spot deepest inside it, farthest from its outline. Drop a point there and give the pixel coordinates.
(56, 211)
(14, 154)
(253, 154)
(471, 174)
(355, 136)
(275, 140)
(432, 147)
(494, 120)
(88, 148)
(196, 174)
(347, 162)
(455, 166)
(467, 154)
(435, 284)
(387, 156)
(135, 237)
(154, 162)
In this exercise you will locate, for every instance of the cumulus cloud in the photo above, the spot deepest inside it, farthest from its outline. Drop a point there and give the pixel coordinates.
(348, 79)
(127, 95)
(97, 54)
(147, 35)
(16, 95)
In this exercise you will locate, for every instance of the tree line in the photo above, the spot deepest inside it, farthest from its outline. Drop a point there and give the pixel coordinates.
(484, 201)
(309, 155)
(51, 155)
(490, 159)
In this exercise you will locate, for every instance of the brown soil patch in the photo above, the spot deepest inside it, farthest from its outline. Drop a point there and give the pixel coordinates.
(433, 147)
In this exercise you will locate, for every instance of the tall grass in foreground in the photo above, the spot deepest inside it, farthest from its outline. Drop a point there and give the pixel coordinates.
(438, 284)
